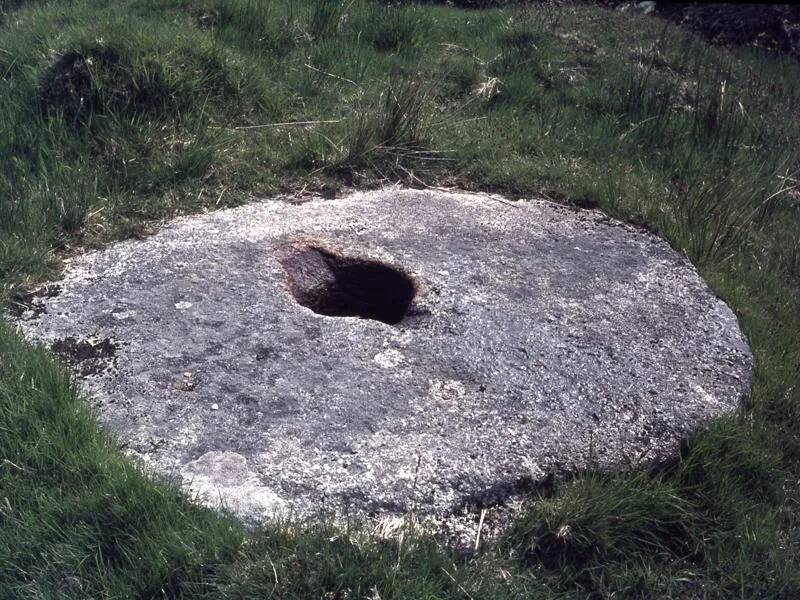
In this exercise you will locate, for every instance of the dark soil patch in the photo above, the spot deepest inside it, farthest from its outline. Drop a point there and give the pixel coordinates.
(21, 302)
(90, 357)
(770, 26)
(67, 86)
(100, 80)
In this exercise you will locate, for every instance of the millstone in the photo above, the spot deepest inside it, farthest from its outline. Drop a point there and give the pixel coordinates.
(393, 350)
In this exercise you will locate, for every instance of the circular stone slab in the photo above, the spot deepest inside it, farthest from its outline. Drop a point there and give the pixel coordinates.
(498, 343)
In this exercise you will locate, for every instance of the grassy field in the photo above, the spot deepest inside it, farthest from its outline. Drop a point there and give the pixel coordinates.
(117, 115)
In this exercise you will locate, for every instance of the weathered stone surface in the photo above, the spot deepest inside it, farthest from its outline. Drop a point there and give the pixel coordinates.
(539, 340)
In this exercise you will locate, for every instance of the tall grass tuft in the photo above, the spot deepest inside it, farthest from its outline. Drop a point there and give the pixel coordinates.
(391, 27)
(395, 126)
(600, 518)
(717, 212)
(325, 18)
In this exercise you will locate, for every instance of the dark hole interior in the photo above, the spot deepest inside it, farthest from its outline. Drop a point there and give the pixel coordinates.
(339, 286)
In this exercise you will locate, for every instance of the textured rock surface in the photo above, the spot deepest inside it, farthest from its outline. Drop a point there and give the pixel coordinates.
(540, 340)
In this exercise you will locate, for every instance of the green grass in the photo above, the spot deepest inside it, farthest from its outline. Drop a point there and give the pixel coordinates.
(115, 116)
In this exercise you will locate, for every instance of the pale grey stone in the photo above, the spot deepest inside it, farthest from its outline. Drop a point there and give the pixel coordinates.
(540, 341)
